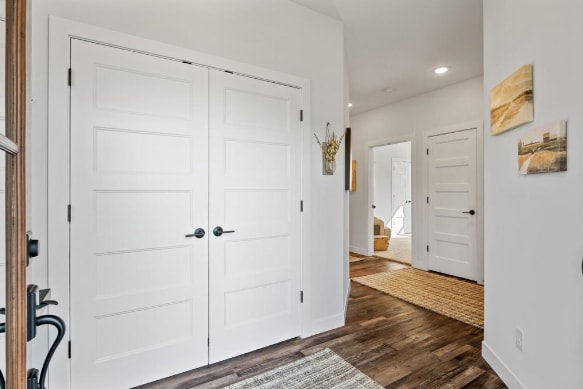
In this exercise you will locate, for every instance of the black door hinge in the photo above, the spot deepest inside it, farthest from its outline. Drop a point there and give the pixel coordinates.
(427, 199)
(301, 296)
(301, 205)
(427, 151)
(69, 349)
(69, 77)
(69, 213)
(301, 115)
(208, 341)
(427, 248)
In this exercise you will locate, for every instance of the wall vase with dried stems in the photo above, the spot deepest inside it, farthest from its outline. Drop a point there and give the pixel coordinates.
(329, 148)
(328, 166)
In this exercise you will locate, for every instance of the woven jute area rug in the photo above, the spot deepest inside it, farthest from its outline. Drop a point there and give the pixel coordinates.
(460, 300)
(324, 369)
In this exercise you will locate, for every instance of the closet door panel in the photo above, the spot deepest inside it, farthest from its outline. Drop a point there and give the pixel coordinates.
(254, 188)
(139, 184)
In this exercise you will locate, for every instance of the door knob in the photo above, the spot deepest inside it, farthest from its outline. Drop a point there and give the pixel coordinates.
(199, 233)
(218, 231)
(471, 212)
(374, 206)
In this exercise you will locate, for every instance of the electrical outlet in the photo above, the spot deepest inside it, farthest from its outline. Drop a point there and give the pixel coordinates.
(519, 339)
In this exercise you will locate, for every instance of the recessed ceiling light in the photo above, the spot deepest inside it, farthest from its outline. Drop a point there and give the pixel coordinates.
(441, 70)
(349, 105)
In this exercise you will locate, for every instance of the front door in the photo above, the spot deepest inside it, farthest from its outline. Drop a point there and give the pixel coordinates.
(2, 191)
(254, 265)
(452, 172)
(139, 184)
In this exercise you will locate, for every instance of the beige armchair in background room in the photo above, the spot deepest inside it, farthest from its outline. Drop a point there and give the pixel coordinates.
(382, 235)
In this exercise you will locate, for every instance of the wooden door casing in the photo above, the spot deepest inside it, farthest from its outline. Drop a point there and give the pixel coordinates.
(16, 195)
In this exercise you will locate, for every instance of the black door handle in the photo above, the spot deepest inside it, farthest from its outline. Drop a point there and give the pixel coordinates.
(374, 206)
(218, 231)
(199, 233)
(471, 212)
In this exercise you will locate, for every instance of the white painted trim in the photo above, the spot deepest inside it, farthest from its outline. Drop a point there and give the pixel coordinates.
(8, 146)
(324, 324)
(370, 174)
(61, 31)
(306, 217)
(480, 202)
(358, 250)
(498, 365)
(347, 296)
(479, 126)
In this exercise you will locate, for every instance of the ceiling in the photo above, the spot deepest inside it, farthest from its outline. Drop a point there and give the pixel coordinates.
(392, 46)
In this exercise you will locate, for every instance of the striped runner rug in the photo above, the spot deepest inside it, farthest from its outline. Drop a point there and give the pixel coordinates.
(325, 369)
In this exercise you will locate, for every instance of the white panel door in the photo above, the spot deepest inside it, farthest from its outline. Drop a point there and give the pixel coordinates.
(401, 196)
(2, 190)
(452, 204)
(254, 191)
(139, 184)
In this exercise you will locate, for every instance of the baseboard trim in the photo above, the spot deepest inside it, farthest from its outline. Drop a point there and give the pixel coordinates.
(324, 324)
(346, 299)
(359, 250)
(500, 367)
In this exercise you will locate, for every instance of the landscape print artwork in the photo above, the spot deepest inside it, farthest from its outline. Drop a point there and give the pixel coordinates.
(543, 149)
(511, 101)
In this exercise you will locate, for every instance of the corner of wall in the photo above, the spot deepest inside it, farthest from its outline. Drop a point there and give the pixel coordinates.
(500, 367)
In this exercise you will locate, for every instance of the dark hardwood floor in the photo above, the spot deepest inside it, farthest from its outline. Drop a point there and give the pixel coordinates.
(397, 344)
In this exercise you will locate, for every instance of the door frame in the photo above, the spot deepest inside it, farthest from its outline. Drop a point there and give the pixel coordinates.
(479, 126)
(61, 31)
(370, 174)
(14, 146)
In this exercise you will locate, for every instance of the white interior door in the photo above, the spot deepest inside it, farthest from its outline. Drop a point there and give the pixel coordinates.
(139, 177)
(401, 196)
(254, 271)
(452, 200)
(407, 228)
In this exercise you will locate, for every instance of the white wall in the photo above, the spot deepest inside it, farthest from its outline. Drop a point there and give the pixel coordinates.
(273, 34)
(346, 225)
(533, 226)
(383, 178)
(458, 103)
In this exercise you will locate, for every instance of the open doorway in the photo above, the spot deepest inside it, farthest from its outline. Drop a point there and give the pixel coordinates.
(392, 201)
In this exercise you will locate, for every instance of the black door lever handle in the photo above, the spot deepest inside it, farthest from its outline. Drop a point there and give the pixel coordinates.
(199, 233)
(471, 212)
(218, 231)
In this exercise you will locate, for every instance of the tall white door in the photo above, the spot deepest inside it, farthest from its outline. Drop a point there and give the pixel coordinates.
(254, 266)
(401, 196)
(452, 203)
(138, 151)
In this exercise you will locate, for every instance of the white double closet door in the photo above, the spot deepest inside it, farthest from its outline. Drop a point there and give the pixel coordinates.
(159, 148)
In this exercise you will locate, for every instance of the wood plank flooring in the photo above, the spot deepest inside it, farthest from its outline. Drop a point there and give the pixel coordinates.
(397, 344)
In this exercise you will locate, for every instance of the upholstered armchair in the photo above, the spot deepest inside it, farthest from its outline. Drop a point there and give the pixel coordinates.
(382, 235)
